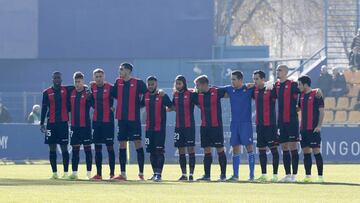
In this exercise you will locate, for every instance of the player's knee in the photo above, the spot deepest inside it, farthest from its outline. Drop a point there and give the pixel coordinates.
(76, 147)
(220, 149)
(236, 149)
(98, 148)
(87, 148)
(191, 150)
(249, 148)
(123, 144)
(182, 150)
(52, 147)
(316, 151)
(207, 150)
(137, 144)
(109, 147)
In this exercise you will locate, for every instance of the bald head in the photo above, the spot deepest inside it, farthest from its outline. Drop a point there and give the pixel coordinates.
(282, 71)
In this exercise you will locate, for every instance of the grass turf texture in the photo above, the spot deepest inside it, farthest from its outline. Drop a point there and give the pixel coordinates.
(30, 183)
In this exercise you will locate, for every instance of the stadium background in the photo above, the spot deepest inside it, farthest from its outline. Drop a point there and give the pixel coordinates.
(162, 38)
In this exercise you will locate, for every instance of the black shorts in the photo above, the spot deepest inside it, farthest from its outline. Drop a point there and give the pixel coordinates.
(212, 137)
(129, 130)
(266, 136)
(155, 141)
(310, 139)
(57, 133)
(80, 136)
(103, 133)
(289, 132)
(184, 137)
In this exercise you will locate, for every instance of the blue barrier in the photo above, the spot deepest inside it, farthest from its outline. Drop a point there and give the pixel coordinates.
(22, 141)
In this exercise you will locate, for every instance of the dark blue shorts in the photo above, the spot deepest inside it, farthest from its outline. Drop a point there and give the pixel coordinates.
(103, 133)
(155, 141)
(80, 136)
(129, 130)
(184, 137)
(57, 133)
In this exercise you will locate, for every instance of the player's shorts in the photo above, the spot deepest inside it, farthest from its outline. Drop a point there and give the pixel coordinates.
(212, 137)
(241, 133)
(57, 133)
(310, 139)
(129, 130)
(103, 133)
(266, 136)
(289, 132)
(184, 137)
(154, 141)
(80, 136)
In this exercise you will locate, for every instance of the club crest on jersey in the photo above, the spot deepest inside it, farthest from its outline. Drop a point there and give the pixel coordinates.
(131, 85)
(105, 90)
(286, 86)
(62, 91)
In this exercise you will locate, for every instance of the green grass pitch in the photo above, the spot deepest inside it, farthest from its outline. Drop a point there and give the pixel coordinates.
(30, 183)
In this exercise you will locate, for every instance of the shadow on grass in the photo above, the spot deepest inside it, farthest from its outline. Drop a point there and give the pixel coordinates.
(59, 182)
(41, 182)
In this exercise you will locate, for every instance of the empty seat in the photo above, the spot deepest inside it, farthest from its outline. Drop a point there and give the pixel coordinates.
(353, 102)
(356, 78)
(354, 117)
(340, 117)
(353, 90)
(330, 103)
(342, 103)
(328, 117)
(349, 76)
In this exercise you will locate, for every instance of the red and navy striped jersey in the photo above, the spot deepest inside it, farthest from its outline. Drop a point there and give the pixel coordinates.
(184, 108)
(79, 108)
(310, 105)
(128, 94)
(287, 93)
(210, 106)
(155, 106)
(55, 105)
(265, 106)
(102, 101)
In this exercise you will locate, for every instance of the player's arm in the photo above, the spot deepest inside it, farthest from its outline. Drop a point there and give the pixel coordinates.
(114, 90)
(167, 102)
(321, 114)
(222, 92)
(142, 102)
(142, 87)
(319, 93)
(44, 109)
(172, 108)
(112, 108)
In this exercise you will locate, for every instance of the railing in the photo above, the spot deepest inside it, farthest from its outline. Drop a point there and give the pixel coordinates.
(304, 65)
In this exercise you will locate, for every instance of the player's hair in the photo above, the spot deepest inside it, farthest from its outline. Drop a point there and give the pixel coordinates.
(151, 78)
(239, 75)
(56, 73)
(182, 79)
(128, 66)
(202, 79)
(98, 70)
(261, 74)
(305, 80)
(78, 75)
